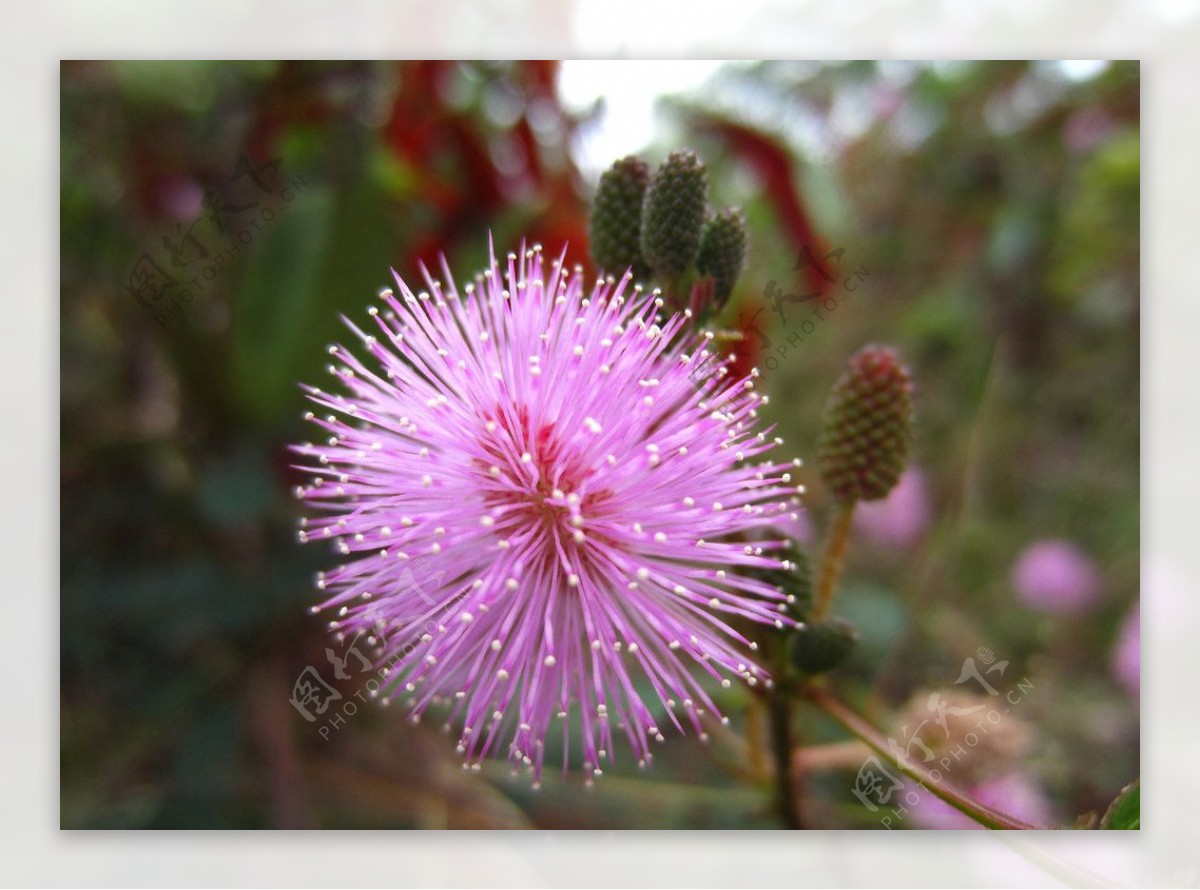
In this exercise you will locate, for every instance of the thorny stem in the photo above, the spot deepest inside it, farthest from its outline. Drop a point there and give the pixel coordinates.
(831, 563)
(859, 727)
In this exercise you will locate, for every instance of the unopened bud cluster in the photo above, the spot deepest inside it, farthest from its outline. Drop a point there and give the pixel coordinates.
(661, 227)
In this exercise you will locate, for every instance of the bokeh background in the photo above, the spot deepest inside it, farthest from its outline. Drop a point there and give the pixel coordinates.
(986, 215)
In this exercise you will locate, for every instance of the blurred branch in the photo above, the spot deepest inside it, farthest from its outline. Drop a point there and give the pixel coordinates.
(974, 810)
(271, 721)
(839, 755)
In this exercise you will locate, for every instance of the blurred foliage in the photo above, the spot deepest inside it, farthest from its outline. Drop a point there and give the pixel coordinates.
(1125, 813)
(993, 207)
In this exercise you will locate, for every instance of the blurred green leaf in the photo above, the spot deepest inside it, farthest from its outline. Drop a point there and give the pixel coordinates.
(329, 255)
(279, 302)
(188, 84)
(1125, 812)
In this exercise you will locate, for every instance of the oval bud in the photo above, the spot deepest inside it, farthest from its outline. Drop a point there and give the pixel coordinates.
(723, 252)
(673, 213)
(615, 223)
(821, 646)
(867, 427)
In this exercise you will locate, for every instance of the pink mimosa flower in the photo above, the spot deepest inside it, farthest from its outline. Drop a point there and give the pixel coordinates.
(550, 499)
(1057, 577)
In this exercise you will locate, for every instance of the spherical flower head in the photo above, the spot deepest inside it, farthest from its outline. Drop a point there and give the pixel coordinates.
(1056, 577)
(945, 721)
(546, 495)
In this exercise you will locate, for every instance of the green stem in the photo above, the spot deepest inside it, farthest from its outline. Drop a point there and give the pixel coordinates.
(782, 743)
(834, 558)
(859, 727)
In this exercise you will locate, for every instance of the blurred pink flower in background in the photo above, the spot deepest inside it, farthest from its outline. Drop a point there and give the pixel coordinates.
(180, 198)
(901, 518)
(1014, 794)
(1127, 653)
(1056, 576)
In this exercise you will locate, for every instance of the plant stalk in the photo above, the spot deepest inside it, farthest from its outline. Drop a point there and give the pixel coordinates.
(832, 561)
(856, 725)
(782, 743)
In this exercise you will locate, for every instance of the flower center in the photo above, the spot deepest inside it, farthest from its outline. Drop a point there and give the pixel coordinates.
(535, 486)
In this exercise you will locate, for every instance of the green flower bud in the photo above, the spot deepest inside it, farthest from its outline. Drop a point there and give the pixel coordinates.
(615, 224)
(723, 252)
(673, 213)
(821, 646)
(867, 427)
